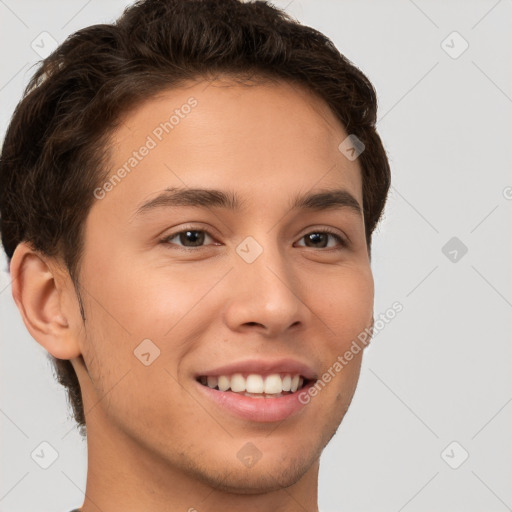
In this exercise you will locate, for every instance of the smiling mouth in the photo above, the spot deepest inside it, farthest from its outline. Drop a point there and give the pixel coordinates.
(254, 385)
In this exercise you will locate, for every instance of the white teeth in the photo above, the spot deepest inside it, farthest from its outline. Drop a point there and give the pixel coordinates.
(254, 384)
(224, 383)
(295, 383)
(272, 385)
(237, 382)
(287, 383)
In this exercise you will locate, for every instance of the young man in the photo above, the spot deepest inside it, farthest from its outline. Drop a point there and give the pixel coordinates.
(188, 198)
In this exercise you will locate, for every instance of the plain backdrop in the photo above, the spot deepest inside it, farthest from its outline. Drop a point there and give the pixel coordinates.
(429, 427)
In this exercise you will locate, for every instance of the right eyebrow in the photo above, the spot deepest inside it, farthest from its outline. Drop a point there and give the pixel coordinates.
(191, 197)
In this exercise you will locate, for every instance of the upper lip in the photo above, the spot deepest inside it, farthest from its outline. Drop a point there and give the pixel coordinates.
(262, 367)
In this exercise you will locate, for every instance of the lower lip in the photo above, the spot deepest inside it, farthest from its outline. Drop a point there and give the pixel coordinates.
(263, 410)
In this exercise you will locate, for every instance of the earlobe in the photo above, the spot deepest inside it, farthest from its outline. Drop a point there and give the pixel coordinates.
(37, 289)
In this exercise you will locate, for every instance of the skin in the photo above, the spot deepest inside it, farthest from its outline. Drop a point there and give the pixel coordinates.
(154, 442)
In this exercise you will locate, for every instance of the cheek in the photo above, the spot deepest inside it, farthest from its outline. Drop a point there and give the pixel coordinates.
(152, 316)
(346, 304)
(148, 300)
(125, 331)
(347, 310)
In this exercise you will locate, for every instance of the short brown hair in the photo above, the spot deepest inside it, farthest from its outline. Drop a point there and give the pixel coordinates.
(56, 145)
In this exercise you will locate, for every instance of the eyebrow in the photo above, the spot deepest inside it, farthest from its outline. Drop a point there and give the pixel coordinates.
(204, 198)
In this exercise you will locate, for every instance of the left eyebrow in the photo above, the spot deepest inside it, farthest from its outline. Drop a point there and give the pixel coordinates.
(327, 200)
(206, 198)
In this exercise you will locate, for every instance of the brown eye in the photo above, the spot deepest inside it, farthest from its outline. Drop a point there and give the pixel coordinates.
(320, 239)
(187, 238)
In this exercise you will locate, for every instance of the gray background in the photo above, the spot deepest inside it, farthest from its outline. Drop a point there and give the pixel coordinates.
(441, 370)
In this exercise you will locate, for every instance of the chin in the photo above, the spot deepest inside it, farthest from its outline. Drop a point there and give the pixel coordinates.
(280, 466)
(260, 479)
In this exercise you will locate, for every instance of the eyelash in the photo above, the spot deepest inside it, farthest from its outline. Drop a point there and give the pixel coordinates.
(342, 242)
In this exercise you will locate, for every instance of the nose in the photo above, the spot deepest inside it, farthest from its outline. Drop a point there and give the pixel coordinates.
(265, 295)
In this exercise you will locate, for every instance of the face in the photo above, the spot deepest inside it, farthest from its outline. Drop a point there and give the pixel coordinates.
(249, 280)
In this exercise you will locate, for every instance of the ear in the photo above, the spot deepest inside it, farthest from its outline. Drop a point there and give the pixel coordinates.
(41, 290)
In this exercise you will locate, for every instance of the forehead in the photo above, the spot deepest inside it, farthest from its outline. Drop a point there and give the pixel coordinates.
(265, 137)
